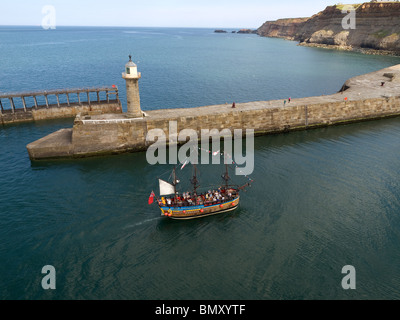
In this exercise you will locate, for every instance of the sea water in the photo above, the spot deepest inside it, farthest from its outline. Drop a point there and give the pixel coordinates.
(321, 199)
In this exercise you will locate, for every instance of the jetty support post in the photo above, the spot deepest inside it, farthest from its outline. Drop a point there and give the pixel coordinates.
(47, 101)
(1, 105)
(79, 98)
(36, 104)
(88, 96)
(108, 97)
(98, 95)
(12, 105)
(68, 99)
(58, 100)
(23, 103)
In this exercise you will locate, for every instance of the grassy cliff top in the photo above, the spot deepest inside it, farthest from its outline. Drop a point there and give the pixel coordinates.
(344, 6)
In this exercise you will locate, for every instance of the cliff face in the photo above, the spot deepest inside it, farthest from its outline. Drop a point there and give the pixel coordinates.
(377, 27)
(282, 28)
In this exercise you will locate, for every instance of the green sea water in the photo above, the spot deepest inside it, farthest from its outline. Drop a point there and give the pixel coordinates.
(321, 199)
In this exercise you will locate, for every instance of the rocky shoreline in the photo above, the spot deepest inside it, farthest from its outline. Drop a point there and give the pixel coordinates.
(241, 31)
(377, 29)
(351, 49)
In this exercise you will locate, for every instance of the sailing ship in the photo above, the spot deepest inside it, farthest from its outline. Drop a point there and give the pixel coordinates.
(194, 204)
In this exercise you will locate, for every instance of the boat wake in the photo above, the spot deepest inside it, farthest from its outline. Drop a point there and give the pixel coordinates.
(140, 223)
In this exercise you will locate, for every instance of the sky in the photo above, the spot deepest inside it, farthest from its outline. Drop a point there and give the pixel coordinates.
(157, 13)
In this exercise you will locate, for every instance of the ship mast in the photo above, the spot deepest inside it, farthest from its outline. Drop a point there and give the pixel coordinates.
(194, 180)
(175, 181)
(226, 177)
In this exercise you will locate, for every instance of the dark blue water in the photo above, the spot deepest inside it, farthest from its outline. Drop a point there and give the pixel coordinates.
(322, 199)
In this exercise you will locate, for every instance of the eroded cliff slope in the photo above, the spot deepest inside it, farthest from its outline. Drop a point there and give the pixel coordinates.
(377, 26)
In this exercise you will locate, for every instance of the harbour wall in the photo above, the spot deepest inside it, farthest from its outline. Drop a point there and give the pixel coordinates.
(91, 137)
(371, 96)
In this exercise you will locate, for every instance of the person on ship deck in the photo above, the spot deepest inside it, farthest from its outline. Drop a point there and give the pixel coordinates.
(211, 197)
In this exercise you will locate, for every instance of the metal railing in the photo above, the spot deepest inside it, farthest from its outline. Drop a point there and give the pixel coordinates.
(23, 101)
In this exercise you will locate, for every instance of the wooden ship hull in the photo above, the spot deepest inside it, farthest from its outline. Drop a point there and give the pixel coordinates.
(195, 204)
(199, 211)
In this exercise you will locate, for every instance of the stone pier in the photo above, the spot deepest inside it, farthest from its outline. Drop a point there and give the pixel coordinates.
(371, 96)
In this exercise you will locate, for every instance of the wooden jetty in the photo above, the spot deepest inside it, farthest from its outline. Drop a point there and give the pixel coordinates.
(62, 103)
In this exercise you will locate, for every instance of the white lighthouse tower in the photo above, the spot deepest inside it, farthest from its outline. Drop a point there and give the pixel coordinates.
(132, 76)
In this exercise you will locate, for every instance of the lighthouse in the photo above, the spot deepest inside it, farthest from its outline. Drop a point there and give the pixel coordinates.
(132, 76)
